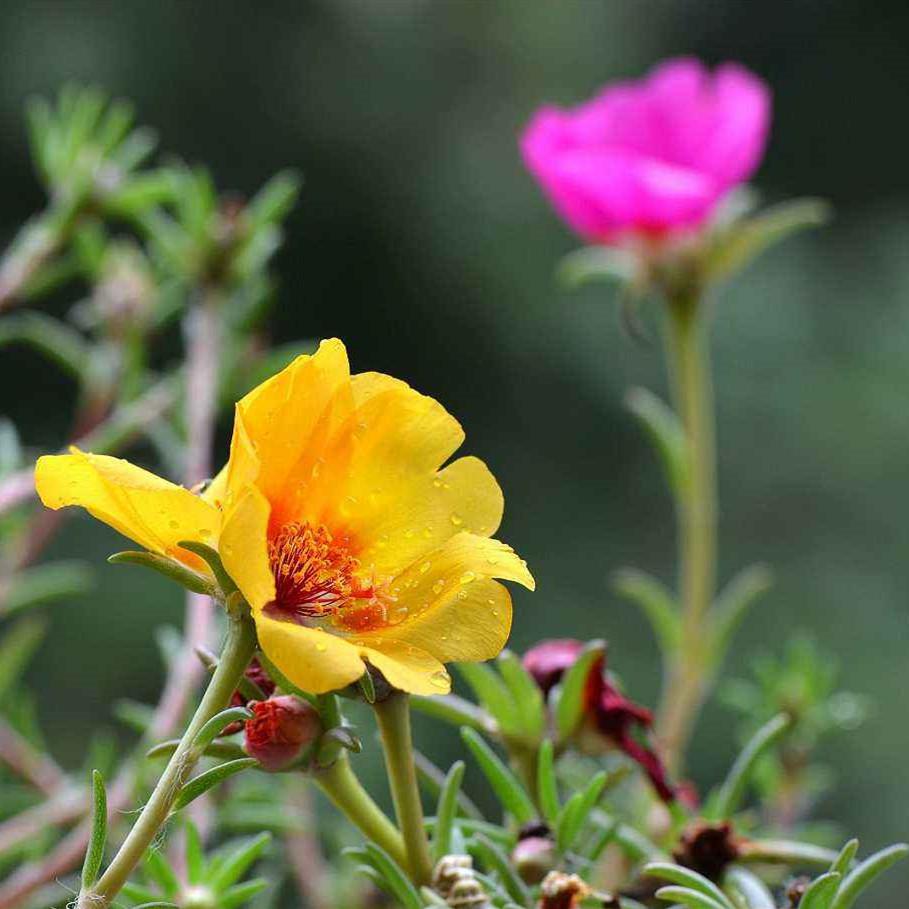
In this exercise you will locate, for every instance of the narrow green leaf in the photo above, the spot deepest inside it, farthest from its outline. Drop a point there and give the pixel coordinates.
(138, 893)
(603, 836)
(219, 749)
(367, 688)
(665, 433)
(158, 869)
(786, 852)
(16, 649)
(821, 891)
(492, 692)
(242, 893)
(686, 877)
(392, 873)
(753, 890)
(843, 861)
(526, 694)
(210, 778)
(238, 861)
(172, 570)
(733, 789)
(547, 784)
(433, 779)
(94, 855)
(505, 784)
(274, 201)
(446, 811)
(865, 873)
(655, 602)
(54, 339)
(211, 557)
(213, 728)
(570, 705)
(495, 860)
(576, 811)
(748, 238)
(596, 263)
(732, 605)
(195, 856)
(46, 584)
(456, 711)
(685, 897)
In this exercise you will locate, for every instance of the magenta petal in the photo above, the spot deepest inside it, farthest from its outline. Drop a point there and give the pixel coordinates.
(651, 155)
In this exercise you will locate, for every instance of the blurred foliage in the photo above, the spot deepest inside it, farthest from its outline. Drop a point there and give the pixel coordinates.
(422, 243)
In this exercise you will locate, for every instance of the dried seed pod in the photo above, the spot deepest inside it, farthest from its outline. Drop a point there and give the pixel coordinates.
(562, 891)
(455, 881)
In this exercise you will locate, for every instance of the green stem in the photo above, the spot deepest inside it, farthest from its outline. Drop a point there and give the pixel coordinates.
(241, 642)
(686, 679)
(393, 717)
(341, 785)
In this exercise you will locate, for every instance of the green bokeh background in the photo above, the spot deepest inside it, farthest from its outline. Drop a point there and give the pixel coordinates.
(422, 242)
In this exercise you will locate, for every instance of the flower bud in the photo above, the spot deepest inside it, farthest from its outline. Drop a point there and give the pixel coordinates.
(550, 660)
(562, 891)
(534, 857)
(280, 730)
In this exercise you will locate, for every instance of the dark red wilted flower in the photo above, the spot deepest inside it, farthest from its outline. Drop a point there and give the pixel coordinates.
(608, 711)
(708, 848)
(280, 729)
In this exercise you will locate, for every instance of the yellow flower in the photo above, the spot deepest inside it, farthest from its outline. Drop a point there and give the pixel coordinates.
(337, 521)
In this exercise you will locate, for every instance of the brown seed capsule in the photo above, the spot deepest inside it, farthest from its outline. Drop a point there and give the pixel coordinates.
(707, 848)
(562, 891)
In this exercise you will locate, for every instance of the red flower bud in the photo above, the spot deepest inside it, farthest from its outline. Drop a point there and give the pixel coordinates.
(256, 673)
(550, 660)
(280, 730)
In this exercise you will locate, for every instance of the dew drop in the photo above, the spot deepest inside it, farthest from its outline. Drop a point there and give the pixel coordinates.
(438, 586)
(320, 647)
(440, 679)
(457, 520)
(467, 577)
(204, 532)
(425, 567)
(463, 594)
(174, 525)
(437, 483)
(408, 533)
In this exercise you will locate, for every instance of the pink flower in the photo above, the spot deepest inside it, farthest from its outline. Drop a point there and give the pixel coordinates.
(650, 156)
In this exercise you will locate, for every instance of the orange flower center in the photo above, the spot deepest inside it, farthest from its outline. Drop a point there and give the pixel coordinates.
(316, 579)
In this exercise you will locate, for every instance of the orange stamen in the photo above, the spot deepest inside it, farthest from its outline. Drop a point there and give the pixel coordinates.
(315, 573)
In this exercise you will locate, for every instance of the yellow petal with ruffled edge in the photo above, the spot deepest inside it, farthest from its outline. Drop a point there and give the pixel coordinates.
(449, 605)
(150, 511)
(406, 667)
(290, 420)
(313, 660)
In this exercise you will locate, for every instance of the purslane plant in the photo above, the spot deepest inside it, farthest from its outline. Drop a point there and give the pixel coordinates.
(350, 562)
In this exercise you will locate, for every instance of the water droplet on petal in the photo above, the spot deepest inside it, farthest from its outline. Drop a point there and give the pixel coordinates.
(425, 567)
(467, 577)
(440, 679)
(457, 520)
(438, 586)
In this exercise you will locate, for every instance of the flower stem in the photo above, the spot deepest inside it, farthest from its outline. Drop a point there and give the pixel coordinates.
(238, 651)
(393, 716)
(686, 679)
(340, 784)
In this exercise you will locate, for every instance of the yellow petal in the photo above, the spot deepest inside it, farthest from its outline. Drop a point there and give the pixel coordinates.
(244, 547)
(314, 660)
(399, 526)
(451, 606)
(469, 624)
(290, 418)
(150, 511)
(406, 667)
